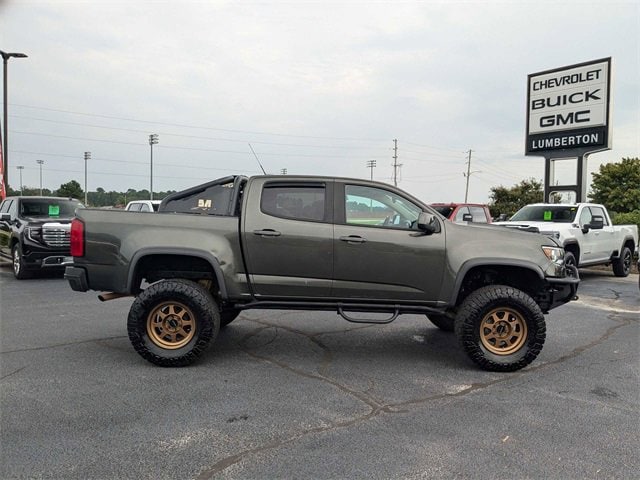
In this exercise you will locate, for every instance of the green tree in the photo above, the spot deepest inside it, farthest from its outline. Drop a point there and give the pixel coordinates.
(617, 186)
(508, 201)
(71, 189)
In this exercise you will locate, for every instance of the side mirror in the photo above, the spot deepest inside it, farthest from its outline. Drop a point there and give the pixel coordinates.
(467, 217)
(427, 223)
(5, 217)
(597, 223)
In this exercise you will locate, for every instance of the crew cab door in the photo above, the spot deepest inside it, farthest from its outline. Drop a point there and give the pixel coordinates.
(379, 254)
(597, 245)
(288, 237)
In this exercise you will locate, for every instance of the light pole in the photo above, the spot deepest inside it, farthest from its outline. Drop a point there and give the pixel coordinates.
(371, 164)
(87, 156)
(153, 140)
(20, 168)
(40, 162)
(5, 151)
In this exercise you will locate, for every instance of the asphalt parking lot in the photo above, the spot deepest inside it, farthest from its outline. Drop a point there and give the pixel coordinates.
(307, 395)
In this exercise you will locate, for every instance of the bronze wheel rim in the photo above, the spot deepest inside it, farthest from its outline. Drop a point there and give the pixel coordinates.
(503, 331)
(171, 325)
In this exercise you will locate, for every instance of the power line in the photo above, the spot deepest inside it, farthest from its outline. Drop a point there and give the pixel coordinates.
(152, 122)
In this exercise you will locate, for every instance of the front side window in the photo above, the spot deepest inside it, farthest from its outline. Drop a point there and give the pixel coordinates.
(479, 216)
(599, 211)
(375, 207)
(294, 202)
(144, 208)
(585, 216)
(462, 211)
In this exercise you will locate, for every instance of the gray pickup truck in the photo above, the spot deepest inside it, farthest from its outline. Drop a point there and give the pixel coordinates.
(364, 249)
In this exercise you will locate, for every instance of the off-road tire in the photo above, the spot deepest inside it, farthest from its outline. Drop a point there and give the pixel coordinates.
(19, 268)
(172, 322)
(444, 323)
(228, 316)
(622, 264)
(489, 309)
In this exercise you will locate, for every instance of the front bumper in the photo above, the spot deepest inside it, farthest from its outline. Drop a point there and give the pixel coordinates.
(34, 260)
(559, 291)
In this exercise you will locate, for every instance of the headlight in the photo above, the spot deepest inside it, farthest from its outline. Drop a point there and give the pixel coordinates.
(34, 234)
(555, 254)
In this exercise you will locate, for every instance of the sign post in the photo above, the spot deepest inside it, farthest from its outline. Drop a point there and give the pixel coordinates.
(568, 116)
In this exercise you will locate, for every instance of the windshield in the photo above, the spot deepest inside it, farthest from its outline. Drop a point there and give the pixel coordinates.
(49, 207)
(546, 213)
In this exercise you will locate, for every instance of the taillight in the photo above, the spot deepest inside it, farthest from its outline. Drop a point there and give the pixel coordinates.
(77, 238)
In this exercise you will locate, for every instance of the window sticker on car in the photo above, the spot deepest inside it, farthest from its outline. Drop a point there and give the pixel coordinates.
(547, 215)
(54, 210)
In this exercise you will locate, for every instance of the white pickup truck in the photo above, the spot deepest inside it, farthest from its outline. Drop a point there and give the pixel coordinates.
(584, 230)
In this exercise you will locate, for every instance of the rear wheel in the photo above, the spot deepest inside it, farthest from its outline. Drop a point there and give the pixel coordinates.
(501, 328)
(172, 322)
(622, 264)
(443, 322)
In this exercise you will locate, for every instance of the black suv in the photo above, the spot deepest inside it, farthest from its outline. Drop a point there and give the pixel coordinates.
(35, 232)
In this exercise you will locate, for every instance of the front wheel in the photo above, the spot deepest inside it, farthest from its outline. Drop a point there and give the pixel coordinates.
(622, 264)
(19, 268)
(501, 329)
(172, 322)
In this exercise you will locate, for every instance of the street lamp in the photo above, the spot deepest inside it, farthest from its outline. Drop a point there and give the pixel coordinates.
(20, 168)
(40, 162)
(5, 151)
(87, 156)
(153, 140)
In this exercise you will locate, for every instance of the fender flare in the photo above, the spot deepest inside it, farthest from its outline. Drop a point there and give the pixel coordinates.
(184, 252)
(490, 262)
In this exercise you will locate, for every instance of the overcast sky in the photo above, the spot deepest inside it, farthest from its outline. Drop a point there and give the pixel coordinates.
(317, 88)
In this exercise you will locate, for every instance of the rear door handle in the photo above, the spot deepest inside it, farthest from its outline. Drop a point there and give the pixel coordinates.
(267, 233)
(353, 239)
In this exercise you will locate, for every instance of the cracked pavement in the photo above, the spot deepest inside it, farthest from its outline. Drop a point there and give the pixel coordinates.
(285, 394)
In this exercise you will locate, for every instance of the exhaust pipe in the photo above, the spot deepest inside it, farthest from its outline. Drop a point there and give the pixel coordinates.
(105, 297)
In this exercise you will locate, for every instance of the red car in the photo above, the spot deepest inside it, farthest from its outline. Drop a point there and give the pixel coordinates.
(463, 212)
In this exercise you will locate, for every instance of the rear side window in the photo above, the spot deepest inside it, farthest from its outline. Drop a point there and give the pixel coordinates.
(599, 211)
(297, 203)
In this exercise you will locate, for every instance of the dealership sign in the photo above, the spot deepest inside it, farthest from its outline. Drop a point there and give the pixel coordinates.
(568, 109)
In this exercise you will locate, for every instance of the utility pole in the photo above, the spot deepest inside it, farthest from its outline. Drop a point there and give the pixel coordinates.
(371, 164)
(87, 156)
(20, 168)
(153, 140)
(396, 165)
(468, 175)
(40, 162)
(283, 171)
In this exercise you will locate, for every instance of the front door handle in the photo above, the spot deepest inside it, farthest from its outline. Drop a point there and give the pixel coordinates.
(353, 239)
(268, 232)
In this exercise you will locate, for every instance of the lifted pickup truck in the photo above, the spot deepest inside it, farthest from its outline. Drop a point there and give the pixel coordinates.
(584, 230)
(317, 243)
